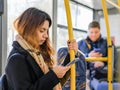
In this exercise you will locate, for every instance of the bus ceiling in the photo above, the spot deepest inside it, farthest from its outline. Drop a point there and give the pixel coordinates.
(95, 4)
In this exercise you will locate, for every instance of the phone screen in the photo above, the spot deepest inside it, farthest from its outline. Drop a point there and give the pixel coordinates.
(73, 61)
(97, 50)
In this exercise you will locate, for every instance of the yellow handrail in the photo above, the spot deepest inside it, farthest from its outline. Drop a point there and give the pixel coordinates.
(119, 3)
(72, 54)
(89, 59)
(110, 87)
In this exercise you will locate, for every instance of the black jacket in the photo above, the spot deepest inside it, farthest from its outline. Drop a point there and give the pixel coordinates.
(23, 73)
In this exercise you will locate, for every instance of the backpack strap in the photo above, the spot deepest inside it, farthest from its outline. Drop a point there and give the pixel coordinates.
(88, 44)
(3, 79)
(13, 55)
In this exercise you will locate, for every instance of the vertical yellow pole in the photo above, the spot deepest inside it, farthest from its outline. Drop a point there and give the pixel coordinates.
(119, 3)
(110, 87)
(72, 54)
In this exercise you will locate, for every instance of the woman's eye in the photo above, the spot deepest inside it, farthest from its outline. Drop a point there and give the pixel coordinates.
(41, 31)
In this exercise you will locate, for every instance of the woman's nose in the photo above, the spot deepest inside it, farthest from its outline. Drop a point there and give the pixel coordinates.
(46, 35)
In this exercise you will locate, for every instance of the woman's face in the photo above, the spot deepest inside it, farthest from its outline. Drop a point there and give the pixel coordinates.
(94, 34)
(42, 32)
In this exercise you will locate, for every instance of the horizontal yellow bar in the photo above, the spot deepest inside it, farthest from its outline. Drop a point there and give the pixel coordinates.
(89, 59)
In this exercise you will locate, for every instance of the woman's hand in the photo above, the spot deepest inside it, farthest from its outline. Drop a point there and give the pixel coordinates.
(60, 70)
(72, 45)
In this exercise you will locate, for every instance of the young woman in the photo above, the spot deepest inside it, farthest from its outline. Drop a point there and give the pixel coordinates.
(31, 64)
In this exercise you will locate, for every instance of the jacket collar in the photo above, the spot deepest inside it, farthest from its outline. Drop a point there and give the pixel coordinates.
(28, 57)
(90, 41)
(17, 47)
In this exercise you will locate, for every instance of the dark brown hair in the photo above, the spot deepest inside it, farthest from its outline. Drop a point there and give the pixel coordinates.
(94, 24)
(26, 25)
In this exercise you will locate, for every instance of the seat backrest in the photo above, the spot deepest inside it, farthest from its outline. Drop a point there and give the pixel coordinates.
(117, 65)
(3, 82)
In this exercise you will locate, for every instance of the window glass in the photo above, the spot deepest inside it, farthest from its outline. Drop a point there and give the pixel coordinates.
(61, 13)
(81, 17)
(73, 8)
(62, 36)
(62, 19)
(16, 7)
(84, 17)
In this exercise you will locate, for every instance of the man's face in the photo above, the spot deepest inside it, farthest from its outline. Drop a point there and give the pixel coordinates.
(94, 34)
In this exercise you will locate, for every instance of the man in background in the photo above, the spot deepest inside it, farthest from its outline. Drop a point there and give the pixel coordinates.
(94, 46)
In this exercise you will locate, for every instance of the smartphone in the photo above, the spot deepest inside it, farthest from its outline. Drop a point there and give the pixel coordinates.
(97, 50)
(73, 61)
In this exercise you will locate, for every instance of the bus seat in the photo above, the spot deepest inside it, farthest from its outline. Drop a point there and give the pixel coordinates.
(104, 86)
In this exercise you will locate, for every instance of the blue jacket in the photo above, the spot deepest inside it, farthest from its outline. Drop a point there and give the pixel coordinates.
(80, 69)
(86, 45)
